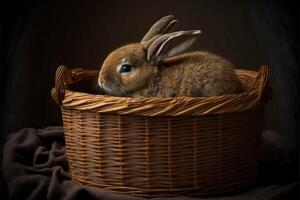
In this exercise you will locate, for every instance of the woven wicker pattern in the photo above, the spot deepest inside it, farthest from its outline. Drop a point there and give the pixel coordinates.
(159, 147)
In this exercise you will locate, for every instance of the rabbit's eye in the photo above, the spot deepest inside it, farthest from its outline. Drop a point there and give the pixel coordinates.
(125, 68)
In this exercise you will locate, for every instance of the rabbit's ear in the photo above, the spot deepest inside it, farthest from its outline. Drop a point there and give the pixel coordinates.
(171, 44)
(162, 26)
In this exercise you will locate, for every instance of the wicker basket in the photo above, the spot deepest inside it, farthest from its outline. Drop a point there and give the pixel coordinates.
(162, 146)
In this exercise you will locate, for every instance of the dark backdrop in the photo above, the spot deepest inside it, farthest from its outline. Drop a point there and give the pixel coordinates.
(37, 36)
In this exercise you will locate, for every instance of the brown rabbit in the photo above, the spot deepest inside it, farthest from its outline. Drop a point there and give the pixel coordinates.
(155, 67)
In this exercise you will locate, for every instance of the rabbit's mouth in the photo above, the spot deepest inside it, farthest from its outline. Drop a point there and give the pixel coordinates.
(112, 88)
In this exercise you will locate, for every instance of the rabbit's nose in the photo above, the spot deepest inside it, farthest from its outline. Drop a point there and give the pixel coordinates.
(100, 82)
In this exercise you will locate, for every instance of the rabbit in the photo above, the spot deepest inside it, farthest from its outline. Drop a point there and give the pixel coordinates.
(158, 67)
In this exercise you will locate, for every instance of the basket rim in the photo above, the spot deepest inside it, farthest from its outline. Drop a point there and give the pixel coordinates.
(169, 106)
(161, 106)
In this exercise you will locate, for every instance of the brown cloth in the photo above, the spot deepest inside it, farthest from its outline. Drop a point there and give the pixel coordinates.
(35, 167)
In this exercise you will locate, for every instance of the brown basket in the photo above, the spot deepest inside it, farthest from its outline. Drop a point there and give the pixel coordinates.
(162, 146)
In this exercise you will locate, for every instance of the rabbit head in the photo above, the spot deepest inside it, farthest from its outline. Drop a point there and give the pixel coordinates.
(129, 68)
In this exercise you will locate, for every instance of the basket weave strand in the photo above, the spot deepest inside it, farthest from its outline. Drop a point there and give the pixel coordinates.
(162, 146)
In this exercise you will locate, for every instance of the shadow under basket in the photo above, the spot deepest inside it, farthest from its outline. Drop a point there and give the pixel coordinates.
(162, 146)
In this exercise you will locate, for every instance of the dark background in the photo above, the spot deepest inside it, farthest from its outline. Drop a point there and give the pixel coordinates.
(38, 36)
